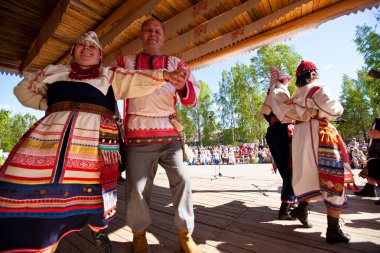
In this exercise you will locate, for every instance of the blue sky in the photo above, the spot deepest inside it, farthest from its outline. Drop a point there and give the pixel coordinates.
(330, 47)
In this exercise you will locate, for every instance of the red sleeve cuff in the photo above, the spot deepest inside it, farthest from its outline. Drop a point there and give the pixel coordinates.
(187, 95)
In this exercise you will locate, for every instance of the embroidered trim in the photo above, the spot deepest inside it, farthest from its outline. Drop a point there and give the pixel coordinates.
(145, 61)
(141, 141)
(151, 133)
(79, 73)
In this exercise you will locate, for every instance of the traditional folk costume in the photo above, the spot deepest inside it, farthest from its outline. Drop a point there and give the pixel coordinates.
(318, 153)
(62, 175)
(317, 149)
(278, 138)
(153, 140)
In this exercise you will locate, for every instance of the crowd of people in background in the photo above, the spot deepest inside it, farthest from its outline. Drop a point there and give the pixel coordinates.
(251, 153)
(229, 154)
(358, 153)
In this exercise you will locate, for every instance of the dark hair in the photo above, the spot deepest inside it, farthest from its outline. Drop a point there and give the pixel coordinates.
(305, 78)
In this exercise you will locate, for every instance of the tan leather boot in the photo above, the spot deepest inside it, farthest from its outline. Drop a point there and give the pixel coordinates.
(140, 244)
(187, 243)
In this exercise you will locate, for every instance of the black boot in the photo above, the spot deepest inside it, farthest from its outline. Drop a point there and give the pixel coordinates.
(301, 213)
(369, 190)
(334, 234)
(102, 242)
(283, 214)
(293, 205)
(121, 179)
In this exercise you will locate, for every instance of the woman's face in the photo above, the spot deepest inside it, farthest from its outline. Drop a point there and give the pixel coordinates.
(86, 53)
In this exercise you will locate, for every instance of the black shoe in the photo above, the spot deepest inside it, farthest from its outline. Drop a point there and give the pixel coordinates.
(369, 190)
(293, 206)
(283, 214)
(334, 234)
(301, 213)
(102, 242)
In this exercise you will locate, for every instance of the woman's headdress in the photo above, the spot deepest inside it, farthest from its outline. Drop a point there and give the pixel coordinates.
(277, 75)
(92, 38)
(305, 67)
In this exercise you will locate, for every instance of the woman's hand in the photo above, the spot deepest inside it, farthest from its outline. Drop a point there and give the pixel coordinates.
(177, 78)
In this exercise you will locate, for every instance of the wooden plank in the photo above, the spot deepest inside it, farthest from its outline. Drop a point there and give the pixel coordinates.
(194, 35)
(238, 216)
(123, 24)
(45, 33)
(227, 40)
(216, 48)
(176, 42)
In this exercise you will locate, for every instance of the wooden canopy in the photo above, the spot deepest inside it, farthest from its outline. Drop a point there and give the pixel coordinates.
(35, 33)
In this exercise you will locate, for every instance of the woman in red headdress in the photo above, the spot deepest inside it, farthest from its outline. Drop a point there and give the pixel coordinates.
(318, 152)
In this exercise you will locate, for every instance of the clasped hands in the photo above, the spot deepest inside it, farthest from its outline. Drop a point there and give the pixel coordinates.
(177, 78)
(312, 112)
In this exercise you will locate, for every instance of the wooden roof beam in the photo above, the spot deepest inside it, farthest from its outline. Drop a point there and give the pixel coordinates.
(45, 33)
(119, 16)
(121, 13)
(198, 33)
(339, 9)
(146, 9)
(174, 25)
(227, 40)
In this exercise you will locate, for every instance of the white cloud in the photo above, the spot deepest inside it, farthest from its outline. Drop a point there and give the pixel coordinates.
(327, 67)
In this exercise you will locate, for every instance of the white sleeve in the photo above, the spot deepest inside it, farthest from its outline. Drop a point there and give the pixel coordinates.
(278, 105)
(327, 106)
(31, 91)
(135, 83)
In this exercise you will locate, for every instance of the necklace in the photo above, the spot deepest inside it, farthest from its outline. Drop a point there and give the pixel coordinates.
(79, 73)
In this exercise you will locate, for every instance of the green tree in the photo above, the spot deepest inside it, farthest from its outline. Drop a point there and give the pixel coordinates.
(281, 56)
(5, 130)
(357, 114)
(20, 124)
(368, 44)
(227, 104)
(367, 41)
(360, 97)
(197, 120)
(12, 128)
(242, 91)
(248, 96)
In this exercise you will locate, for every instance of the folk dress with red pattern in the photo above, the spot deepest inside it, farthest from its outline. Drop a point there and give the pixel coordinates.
(147, 118)
(153, 140)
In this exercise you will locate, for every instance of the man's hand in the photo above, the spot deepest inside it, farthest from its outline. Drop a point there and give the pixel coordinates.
(177, 78)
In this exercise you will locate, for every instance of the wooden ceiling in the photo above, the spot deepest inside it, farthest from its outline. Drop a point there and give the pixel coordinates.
(35, 33)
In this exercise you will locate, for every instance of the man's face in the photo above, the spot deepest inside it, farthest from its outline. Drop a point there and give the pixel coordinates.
(152, 34)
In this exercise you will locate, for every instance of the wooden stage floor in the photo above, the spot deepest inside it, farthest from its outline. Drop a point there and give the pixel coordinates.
(236, 213)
